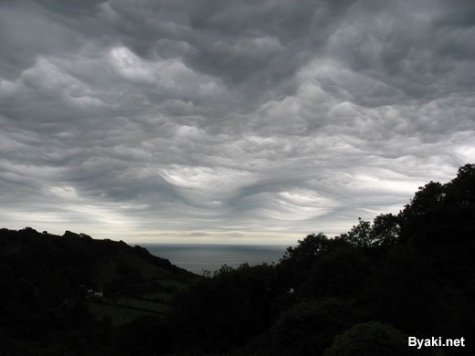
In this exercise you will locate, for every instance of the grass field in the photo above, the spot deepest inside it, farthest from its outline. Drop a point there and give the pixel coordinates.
(126, 309)
(142, 304)
(118, 315)
(163, 297)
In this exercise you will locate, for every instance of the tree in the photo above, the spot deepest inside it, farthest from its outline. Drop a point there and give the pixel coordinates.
(297, 261)
(386, 230)
(225, 311)
(462, 188)
(441, 213)
(311, 248)
(147, 335)
(339, 273)
(359, 235)
(309, 327)
(369, 339)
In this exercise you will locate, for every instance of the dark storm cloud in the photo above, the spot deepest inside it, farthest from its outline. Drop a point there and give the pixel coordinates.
(223, 118)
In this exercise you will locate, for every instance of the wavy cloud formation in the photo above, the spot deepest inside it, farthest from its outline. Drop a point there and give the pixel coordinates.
(228, 121)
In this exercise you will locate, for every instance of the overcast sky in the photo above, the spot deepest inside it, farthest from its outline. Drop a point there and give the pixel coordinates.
(229, 121)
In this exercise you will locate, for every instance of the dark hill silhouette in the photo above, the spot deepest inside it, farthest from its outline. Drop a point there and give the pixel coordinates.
(52, 286)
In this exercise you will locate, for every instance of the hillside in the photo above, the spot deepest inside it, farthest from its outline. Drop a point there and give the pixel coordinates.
(62, 288)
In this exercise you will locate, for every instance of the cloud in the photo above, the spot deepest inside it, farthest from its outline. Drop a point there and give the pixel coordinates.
(228, 120)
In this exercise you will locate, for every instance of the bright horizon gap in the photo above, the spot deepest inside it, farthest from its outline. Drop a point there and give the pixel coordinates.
(254, 238)
(194, 237)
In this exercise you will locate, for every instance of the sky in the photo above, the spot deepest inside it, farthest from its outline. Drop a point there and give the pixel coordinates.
(229, 121)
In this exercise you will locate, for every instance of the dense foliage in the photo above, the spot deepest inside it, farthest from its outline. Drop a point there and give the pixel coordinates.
(360, 293)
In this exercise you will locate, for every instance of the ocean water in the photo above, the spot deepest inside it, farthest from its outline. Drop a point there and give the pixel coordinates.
(199, 258)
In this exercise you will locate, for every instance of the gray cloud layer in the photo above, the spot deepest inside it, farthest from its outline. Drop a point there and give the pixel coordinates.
(185, 119)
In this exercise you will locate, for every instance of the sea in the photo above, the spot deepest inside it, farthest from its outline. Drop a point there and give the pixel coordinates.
(208, 258)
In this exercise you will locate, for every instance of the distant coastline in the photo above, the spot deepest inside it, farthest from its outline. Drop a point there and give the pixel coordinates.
(199, 258)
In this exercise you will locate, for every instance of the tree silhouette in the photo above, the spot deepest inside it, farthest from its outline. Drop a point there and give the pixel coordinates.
(369, 339)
